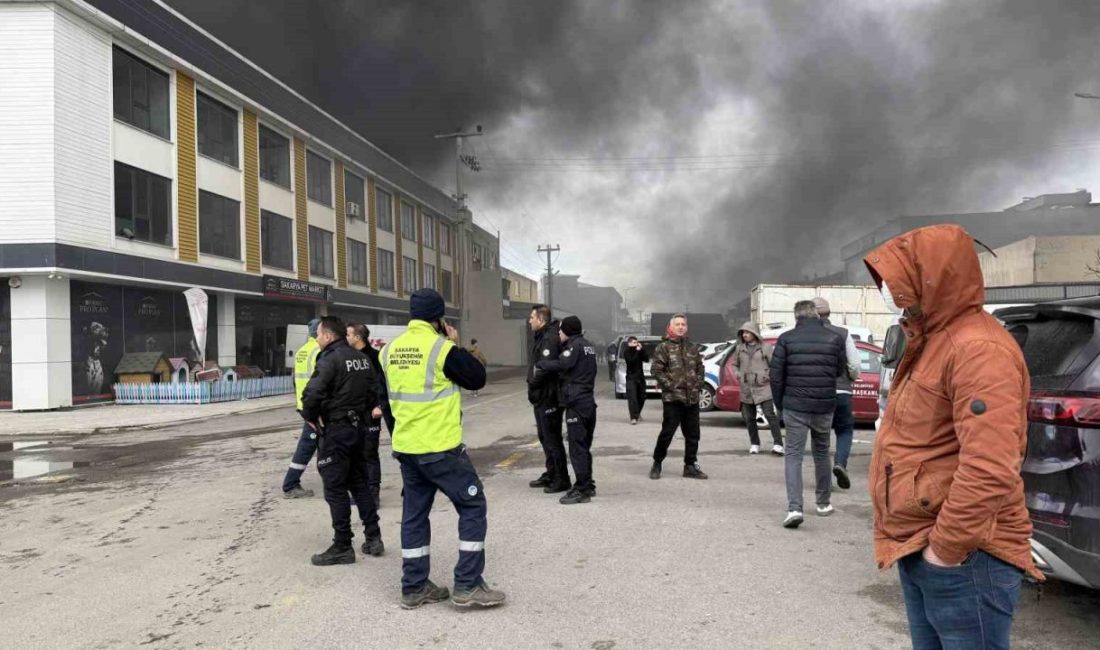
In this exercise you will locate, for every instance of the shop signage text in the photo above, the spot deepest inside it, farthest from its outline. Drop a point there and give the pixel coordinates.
(289, 288)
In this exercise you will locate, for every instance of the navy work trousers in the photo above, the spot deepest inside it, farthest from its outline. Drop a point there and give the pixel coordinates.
(303, 453)
(452, 473)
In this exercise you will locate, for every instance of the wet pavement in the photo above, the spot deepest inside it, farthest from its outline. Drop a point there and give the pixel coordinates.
(179, 537)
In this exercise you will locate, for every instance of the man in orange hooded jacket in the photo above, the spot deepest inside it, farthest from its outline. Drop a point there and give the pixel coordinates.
(945, 474)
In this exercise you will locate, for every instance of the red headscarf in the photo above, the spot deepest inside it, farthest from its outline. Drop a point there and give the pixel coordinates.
(669, 334)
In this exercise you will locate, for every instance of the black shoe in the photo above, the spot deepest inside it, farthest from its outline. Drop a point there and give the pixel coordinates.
(335, 554)
(693, 471)
(429, 593)
(575, 496)
(655, 471)
(561, 485)
(374, 547)
(540, 482)
(842, 479)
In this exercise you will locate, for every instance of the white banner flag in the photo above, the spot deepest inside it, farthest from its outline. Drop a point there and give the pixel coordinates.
(197, 304)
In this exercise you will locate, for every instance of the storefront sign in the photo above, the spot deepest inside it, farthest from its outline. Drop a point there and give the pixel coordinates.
(279, 287)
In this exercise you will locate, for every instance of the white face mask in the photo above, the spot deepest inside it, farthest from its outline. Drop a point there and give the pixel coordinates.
(888, 298)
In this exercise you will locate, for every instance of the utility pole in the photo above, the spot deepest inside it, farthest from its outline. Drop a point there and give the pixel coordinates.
(460, 206)
(549, 273)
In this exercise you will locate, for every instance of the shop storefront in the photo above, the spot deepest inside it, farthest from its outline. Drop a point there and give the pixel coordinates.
(108, 321)
(261, 332)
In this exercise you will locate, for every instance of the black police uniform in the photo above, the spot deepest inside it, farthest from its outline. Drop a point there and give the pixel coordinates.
(374, 428)
(341, 394)
(577, 387)
(542, 393)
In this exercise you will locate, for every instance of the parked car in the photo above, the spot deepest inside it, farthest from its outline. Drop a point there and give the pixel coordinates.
(864, 390)
(1061, 471)
(649, 344)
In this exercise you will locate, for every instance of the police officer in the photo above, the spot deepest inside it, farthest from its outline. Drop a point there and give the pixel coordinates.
(542, 393)
(425, 369)
(336, 403)
(577, 368)
(358, 336)
(304, 361)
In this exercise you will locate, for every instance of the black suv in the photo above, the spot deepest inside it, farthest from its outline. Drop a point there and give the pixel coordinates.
(1061, 344)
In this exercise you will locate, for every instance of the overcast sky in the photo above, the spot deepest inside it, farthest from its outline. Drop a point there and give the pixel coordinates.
(693, 149)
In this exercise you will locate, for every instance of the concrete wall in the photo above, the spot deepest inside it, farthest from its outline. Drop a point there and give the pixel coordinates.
(1042, 260)
(502, 341)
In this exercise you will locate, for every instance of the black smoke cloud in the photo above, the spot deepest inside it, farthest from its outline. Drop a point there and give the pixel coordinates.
(693, 149)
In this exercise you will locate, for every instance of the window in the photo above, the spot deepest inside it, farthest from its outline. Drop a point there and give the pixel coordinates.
(274, 157)
(444, 238)
(409, 269)
(141, 94)
(429, 276)
(219, 225)
(475, 258)
(384, 204)
(143, 205)
(408, 221)
(217, 130)
(357, 262)
(319, 178)
(354, 194)
(385, 269)
(277, 240)
(446, 290)
(320, 252)
(429, 232)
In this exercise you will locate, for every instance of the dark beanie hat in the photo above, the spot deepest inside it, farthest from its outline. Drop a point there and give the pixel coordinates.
(571, 325)
(426, 304)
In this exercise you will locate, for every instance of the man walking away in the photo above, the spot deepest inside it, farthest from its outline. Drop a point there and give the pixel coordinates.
(635, 357)
(945, 471)
(751, 358)
(843, 421)
(577, 387)
(542, 393)
(336, 404)
(425, 367)
(476, 351)
(804, 368)
(305, 359)
(358, 337)
(678, 368)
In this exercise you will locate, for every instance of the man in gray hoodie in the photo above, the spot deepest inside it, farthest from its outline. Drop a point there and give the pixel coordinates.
(843, 420)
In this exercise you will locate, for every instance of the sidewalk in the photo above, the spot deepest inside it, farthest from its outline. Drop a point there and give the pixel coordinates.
(115, 417)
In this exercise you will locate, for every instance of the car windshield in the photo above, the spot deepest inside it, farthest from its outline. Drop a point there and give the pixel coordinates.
(869, 361)
(1051, 347)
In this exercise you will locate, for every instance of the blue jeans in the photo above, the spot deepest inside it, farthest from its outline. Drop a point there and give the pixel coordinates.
(968, 606)
(843, 424)
(307, 446)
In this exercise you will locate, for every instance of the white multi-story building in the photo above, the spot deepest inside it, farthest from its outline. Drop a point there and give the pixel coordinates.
(139, 157)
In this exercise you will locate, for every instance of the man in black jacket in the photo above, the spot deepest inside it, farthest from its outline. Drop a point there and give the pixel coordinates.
(804, 367)
(635, 357)
(542, 393)
(337, 402)
(577, 368)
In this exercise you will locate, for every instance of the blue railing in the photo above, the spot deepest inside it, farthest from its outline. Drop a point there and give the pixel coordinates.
(203, 392)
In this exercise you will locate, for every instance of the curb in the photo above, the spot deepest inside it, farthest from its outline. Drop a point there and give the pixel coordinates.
(139, 427)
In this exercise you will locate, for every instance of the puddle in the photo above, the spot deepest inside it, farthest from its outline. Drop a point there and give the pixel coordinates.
(25, 459)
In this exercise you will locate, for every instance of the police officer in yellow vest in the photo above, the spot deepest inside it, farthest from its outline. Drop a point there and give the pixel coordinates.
(424, 369)
(305, 360)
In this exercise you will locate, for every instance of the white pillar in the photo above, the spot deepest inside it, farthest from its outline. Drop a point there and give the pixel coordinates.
(227, 329)
(41, 344)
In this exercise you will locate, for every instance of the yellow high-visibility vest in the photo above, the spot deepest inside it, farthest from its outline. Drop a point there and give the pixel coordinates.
(305, 359)
(426, 405)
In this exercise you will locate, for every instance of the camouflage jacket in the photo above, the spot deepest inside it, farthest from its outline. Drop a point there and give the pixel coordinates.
(678, 368)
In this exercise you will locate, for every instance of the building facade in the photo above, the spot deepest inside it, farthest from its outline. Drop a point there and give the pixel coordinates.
(141, 158)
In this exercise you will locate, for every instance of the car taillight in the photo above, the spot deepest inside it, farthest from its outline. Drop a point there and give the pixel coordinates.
(1064, 410)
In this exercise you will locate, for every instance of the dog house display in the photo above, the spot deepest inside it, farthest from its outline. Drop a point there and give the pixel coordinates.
(144, 368)
(181, 370)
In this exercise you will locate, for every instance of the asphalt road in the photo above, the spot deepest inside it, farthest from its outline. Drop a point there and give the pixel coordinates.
(180, 538)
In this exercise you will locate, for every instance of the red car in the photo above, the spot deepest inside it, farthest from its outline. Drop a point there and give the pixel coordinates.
(864, 389)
